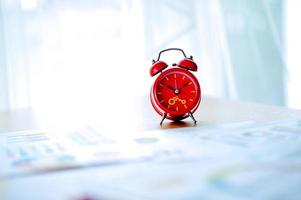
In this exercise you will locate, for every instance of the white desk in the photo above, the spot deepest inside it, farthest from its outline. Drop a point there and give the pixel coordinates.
(225, 163)
(141, 115)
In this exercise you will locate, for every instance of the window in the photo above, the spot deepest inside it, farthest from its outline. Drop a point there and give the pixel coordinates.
(86, 54)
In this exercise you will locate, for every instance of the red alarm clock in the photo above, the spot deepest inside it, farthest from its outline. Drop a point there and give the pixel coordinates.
(176, 93)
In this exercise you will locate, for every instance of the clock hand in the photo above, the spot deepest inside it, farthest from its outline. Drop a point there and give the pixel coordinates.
(169, 87)
(185, 85)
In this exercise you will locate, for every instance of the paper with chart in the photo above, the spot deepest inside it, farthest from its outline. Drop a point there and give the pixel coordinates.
(34, 151)
(244, 160)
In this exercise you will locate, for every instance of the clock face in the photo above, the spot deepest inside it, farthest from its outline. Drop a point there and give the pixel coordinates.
(176, 92)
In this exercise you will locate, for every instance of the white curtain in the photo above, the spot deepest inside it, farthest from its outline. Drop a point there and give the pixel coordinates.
(81, 54)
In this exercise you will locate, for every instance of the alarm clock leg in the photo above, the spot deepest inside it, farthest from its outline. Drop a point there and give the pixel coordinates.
(164, 116)
(191, 115)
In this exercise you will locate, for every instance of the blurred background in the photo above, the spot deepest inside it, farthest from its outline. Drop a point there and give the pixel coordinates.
(77, 55)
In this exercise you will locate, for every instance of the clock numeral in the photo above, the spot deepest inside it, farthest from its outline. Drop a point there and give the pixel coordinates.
(183, 77)
(175, 75)
(192, 91)
(185, 106)
(177, 108)
(166, 78)
(191, 100)
(162, 101)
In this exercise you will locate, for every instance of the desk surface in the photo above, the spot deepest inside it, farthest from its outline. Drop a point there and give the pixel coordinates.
(141, 116)
(238, 150)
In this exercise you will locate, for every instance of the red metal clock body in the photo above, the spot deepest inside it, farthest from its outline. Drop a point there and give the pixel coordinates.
(176, 92)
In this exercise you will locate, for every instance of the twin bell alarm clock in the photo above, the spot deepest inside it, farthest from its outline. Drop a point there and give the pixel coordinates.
(176, 92)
